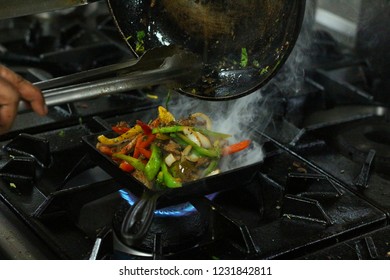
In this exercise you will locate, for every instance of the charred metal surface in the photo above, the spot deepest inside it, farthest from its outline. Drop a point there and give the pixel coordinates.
(103, 245)
(29, 145)
(20, 173)
(221, 222)
(306, 184)
(361, 181)
(304, 208)
(82, 165)
(71, 200)
(371, 246)
(19, 167)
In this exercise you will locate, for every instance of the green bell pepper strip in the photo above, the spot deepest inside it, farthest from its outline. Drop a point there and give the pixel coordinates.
(160, 177)
(180, 128)
(212, 166)
(159, 182)
(200, 150)
(154, 164)
(168, 129)
(211, 133)
(169, 180)
(184, 144)
(136, 163)
(244, 58)
(178, 140)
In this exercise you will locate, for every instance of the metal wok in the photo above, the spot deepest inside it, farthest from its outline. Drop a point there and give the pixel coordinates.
(241, 44)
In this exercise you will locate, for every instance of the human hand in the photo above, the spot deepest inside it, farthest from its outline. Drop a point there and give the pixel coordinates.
(14, 88)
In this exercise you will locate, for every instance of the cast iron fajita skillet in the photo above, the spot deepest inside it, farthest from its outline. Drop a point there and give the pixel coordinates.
(138, 217)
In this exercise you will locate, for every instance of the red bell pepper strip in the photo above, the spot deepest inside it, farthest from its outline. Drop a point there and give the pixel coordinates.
(234, 148)
(138, 164)
(146, 153)
(120, 129)
(137, 144)
(155, 123)
(125, 166)
(105, 150)
(143, 142)
(146, 128)
(126, 149)
(147, 140)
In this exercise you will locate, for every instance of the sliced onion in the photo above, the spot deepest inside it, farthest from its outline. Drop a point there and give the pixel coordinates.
(214, 172)
(169, 159)
(192, 135)
(205, 118)
(197, 137)
(186, 150)
(205, 142)
(192, 157)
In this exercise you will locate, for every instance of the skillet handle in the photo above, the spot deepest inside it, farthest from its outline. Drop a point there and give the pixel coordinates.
(139, 218)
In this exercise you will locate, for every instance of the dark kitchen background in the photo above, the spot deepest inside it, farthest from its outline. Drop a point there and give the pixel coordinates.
(321, 186)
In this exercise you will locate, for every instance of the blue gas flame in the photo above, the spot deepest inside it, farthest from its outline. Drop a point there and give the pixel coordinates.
(179, 210)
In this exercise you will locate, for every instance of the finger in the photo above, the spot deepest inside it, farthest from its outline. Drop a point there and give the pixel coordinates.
(33, 96)
(9, 99)
(28, 92)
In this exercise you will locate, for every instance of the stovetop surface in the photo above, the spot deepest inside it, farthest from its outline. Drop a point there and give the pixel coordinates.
(297, 204)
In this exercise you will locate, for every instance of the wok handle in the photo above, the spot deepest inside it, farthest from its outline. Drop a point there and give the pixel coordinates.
(138, 218)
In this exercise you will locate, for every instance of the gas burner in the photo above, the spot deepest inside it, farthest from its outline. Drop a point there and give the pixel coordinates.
(357, 140)
(173, 228)
(356, 130)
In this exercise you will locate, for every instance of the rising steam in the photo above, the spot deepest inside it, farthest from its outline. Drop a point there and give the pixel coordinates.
(241, 116)
(231, 117)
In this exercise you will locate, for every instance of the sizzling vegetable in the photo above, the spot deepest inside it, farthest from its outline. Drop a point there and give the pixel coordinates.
(166, 152)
